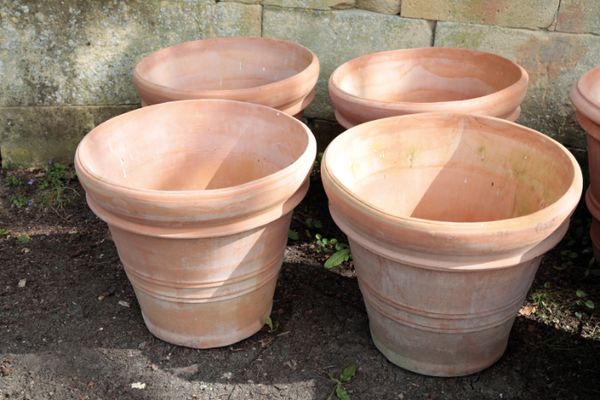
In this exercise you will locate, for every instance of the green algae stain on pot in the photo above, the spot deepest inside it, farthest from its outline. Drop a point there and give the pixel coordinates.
(519, 167)
(412, 154)
(481, 153)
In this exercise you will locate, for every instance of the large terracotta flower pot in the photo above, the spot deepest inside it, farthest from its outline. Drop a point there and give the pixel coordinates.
(585, 95)
(448, 217)
(259, 70)
(198, 196)
(410, 81)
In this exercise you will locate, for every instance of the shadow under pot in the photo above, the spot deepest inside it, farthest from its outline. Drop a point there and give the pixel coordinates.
(585, 96)
(271, 72)
(198, 196)
(447, 216)
(410, 81)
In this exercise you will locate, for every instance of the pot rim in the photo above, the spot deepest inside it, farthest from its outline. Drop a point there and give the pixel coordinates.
(471, 228)
(224, 93)
(193, 196)
(437, 106)
(581, 99)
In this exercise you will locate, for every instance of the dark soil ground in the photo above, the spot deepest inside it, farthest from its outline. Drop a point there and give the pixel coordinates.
(70, 326)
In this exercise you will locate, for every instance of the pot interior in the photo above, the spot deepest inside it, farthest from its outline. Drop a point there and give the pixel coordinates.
(426, 75)
(193, 145)
(223, 64)
(453, 168)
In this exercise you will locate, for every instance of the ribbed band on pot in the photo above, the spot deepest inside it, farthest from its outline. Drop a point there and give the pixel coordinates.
(200, 213)
(456, 244)
(449, 261)
(584, 97)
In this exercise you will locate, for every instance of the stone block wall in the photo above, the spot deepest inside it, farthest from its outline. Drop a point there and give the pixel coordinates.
(65, 66)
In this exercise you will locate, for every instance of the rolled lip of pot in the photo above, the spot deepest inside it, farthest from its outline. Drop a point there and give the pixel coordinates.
(310, 74)
(475, 104)
(582, 95)
(490, 239)
(183, 213)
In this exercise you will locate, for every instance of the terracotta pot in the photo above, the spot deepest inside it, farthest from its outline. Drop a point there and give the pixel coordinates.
(198, 197)
(585, 95)
(448, 217)
(258, 70)
(410, 81)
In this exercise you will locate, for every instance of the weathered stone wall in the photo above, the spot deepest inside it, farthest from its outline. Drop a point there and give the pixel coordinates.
(66, 66)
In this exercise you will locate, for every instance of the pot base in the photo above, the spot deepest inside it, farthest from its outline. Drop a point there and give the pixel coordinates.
(190, 295)
(433, 368)
(198, 342)
(427, 337)
(207, 325)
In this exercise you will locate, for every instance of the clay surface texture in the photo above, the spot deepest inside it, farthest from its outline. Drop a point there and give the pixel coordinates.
(585, 95)
(408, 81)
(447, 216)
(266, 71)
(198, 197)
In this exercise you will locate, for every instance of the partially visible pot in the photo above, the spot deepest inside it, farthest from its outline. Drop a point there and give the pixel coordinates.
(198, 196)
(271, 72)
(410, 81)
(448, 217)
(585, 96)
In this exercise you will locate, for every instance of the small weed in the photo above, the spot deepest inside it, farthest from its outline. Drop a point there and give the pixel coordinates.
(340, 252)
(542, 300)
(568, 254)
(18, 201)
(57, 175)
(346, 376)
(341, 256)
(323, 243)
(54, 185)
(583, 302)
(4, 232)
(590, 270)
(313, 223)
(293, 235)
(9, 166)
(270, 324)
(23, 239)
(540, 297)
(13, 181)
